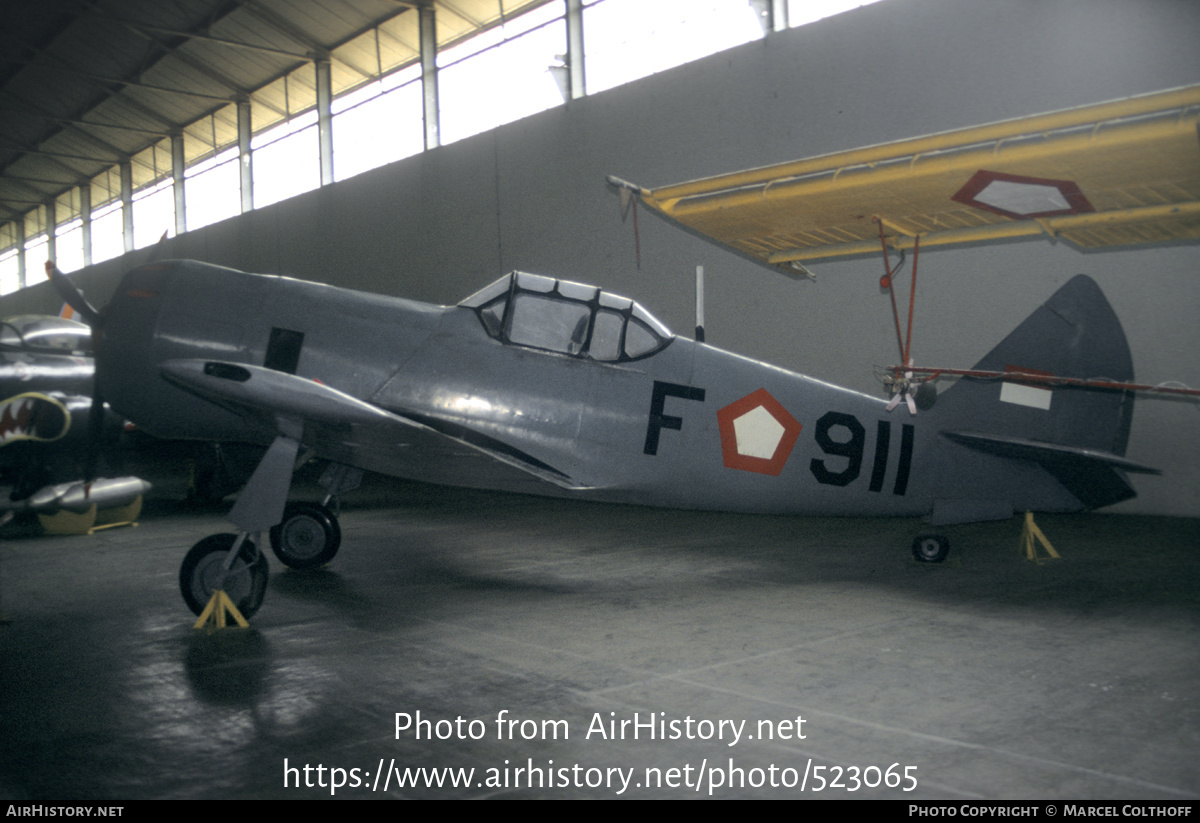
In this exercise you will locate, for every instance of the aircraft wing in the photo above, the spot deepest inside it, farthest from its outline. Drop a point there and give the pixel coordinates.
(344, 429)
(1112, 174)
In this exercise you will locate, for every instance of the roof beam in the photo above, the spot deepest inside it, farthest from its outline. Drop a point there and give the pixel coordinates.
(26, 185)
(57, 159)
(455, 10)
(110, 88)
(287, 28)
(238, 92)
(78, 181)
(104, 79)
(148, 30)
(41, 114)
(317, 51)
(116, 158)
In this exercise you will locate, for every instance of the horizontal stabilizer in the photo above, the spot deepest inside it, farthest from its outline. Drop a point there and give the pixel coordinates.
(1038, 451)
(1095, 477)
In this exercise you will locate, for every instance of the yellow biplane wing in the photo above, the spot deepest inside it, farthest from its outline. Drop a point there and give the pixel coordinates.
(1112, 174)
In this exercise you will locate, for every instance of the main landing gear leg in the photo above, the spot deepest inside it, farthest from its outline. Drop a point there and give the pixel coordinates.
(230, 566)
(337, 480)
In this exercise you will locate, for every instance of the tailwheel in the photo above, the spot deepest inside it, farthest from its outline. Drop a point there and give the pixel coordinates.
(204, 567)
(931, 548)
(307, 537)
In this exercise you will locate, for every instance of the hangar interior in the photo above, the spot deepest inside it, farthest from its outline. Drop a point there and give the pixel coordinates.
(997, 679)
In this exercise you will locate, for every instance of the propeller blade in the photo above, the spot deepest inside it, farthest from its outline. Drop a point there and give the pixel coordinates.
(71, 295)
(95, 436)
(88, 313)
(908, 391)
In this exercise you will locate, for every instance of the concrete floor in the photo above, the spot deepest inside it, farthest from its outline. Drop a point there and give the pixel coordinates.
(986, 677)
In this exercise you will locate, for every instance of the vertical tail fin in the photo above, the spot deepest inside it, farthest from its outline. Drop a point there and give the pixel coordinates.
(1077, 434)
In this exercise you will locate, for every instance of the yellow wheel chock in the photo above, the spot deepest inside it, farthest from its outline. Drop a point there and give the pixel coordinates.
(218, 606)
(1031, 535)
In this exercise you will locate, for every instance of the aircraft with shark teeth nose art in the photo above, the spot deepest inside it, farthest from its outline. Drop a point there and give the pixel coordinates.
(45, 397)
(46, 378)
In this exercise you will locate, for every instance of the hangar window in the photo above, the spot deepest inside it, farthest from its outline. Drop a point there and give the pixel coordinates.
(286, 160)
(212, 190)
(153, 214)
(667, 33)
(568, 318)
(107, 232)
(392, 108)
(10, 274)
(69, 246)
(35, 249)
(501, 74)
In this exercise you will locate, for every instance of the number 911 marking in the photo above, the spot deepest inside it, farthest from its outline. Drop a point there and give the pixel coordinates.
(841, 436)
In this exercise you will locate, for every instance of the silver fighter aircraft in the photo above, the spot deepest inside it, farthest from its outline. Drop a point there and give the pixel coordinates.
(51, 428)
(540, 385)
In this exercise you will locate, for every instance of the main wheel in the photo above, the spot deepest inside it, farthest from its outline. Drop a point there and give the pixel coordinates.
(307, 537)
(930, 548)
(202, 568)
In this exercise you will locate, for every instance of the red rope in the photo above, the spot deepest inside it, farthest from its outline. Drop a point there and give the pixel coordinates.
(637, 237)
(912, 301)
(886, 282)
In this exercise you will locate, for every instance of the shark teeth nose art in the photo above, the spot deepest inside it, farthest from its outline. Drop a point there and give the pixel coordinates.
(32, 416)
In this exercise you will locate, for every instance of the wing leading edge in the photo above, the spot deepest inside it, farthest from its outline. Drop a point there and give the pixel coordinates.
(347, 430)
(1118, 173)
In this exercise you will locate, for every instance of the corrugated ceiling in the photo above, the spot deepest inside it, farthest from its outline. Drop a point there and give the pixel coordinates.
(85, 85)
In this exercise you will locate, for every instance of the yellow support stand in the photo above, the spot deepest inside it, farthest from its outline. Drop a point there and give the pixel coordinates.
(218, 606)
(126, 515)
(1031, 535)
(91, 521)
(68, 522)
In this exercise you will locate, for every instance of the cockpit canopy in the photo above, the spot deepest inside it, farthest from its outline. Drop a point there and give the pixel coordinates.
(569, 318)
(56, 335)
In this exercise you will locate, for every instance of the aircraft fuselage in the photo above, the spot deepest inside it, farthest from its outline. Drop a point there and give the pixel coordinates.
(666, 421)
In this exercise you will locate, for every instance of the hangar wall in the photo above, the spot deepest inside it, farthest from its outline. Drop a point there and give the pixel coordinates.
(531, 195)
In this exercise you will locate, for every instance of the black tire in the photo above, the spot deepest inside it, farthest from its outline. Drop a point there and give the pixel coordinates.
(246, 583)
(930, 548)
(308, 536)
